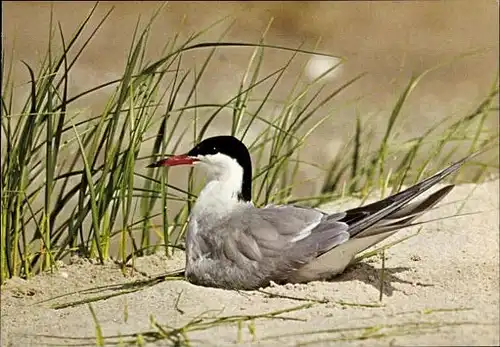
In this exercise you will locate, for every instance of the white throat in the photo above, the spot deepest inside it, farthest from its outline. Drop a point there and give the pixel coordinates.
(220, 194)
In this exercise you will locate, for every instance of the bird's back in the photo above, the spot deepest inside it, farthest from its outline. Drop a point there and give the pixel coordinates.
(252, 246)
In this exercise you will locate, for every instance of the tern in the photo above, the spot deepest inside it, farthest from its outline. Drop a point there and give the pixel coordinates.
(232, 244)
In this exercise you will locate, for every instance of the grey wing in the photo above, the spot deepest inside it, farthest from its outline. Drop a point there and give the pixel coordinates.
(373, 223)
(277, 240)
(272, 242)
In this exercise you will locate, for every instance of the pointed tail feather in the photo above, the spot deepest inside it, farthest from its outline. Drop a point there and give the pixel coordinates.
(371, 224)
(364, 217)
(406, 214)
(338, 258)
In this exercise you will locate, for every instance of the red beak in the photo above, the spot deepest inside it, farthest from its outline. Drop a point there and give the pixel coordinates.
(182, 159)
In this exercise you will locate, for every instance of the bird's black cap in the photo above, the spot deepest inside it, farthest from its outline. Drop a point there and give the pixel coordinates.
(234, 148)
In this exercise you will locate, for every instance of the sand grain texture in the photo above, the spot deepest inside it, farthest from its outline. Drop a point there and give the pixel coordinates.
(441, 288)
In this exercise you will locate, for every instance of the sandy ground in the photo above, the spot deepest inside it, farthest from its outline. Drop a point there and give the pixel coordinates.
(440, 287)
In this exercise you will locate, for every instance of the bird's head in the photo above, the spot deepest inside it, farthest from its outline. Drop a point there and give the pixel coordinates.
(222, 157)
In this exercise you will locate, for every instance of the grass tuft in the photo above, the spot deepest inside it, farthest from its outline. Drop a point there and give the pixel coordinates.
(74, 184)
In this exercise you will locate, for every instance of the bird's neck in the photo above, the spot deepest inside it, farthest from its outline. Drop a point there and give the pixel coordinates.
(223, 191)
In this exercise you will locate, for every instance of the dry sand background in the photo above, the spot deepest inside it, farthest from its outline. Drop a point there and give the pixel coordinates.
(446, 277)
(451, 264)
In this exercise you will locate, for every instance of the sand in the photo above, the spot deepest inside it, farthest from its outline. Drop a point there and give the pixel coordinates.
(441, 287)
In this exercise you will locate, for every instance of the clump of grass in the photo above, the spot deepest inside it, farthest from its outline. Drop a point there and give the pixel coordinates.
(170, 336)
(76, 185)
(381, 331)
(109, 291)
(363, 177)
(98, 330)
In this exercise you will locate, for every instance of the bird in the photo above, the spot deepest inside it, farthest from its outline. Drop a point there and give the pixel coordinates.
(232, 244)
